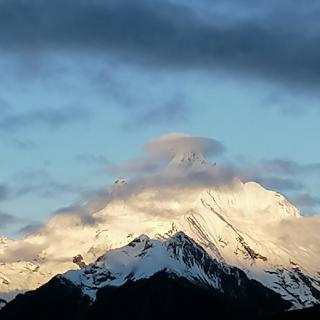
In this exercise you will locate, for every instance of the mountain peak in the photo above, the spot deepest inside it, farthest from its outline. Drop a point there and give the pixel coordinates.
(189, 159)
(178, 257)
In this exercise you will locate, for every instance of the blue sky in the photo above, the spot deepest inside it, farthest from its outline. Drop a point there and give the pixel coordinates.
(79, 96)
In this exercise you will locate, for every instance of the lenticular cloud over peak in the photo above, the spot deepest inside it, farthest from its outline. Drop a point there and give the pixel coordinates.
(157, 153)
(171, 144)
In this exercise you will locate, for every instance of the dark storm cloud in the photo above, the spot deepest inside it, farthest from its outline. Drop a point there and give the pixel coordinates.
(51, 118)
(277, 41)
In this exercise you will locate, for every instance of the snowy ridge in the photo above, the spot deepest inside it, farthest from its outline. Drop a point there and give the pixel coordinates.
(143, 257)
(176, 255)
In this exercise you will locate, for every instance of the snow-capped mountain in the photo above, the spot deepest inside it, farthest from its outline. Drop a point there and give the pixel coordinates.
(237, 224)
(143, 257)
(174, 260)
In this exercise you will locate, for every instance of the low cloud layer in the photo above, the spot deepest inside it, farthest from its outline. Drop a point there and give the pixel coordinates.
(170, 162)
(21, 250)
(300, 233)
(169, 181)
(154, 170)
(283, 175)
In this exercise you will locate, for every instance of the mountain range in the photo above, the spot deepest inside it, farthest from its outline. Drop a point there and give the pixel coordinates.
(181, 249)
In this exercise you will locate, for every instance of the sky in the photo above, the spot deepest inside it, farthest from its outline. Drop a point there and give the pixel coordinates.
(86, 85)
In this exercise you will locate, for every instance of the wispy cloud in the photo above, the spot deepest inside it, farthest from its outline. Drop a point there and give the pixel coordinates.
(92, 159)
(277, 183)
(4, 192)
(289, 167)
(280, 174)
(42, 184)
(173, 112)
(307, 202)
(51, 118)
(29, 228)
(7, 219)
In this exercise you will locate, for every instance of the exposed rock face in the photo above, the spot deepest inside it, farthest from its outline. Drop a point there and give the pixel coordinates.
(78, 260)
